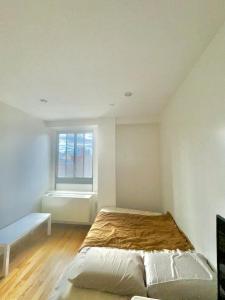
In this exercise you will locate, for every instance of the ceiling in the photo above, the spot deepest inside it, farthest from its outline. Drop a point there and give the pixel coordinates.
(83, 55)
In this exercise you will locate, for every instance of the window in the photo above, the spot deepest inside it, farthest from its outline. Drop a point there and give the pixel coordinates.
(75, 158)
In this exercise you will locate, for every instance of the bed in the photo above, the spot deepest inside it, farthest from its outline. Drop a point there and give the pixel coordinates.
(125, 231)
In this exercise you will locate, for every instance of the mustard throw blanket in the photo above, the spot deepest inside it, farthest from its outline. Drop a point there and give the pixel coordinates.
(139, 232)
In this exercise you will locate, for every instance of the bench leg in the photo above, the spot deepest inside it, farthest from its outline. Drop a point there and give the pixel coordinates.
(49, 225)
(6, 260)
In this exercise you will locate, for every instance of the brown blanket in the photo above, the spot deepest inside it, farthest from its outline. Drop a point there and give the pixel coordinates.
(129, 231)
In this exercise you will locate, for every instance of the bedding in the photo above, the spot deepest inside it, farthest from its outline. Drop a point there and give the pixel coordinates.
(133, 231)
(130, 211)
(176, 275)
(110, 270)
(129, 232)
(188, 289)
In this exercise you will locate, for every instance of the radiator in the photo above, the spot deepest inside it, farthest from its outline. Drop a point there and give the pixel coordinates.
(68, 207)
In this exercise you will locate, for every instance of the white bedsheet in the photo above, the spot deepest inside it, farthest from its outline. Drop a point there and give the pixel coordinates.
(130, 211)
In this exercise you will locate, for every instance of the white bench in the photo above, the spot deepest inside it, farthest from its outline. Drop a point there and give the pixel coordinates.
(17, 230)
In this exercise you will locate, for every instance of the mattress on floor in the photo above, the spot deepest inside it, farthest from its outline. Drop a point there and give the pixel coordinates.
(121, 227)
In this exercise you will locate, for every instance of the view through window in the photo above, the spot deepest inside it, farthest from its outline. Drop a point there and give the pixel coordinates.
(75, 158)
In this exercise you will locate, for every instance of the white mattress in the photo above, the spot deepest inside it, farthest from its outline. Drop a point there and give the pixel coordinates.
(130, 211)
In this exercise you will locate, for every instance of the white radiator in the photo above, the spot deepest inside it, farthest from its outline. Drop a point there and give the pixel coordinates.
(68, 207)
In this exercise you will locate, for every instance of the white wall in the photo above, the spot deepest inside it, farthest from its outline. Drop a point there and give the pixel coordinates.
(24, 164)
(106, 163)
(137, 166)
(193, 149)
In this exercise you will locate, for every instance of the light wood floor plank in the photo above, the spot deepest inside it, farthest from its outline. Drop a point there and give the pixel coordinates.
(37, 262)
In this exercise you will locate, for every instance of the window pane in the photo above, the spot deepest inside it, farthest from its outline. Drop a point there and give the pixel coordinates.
(88, 155)
(62, 155)
(70, 155)
(80, 155)
(75, 157)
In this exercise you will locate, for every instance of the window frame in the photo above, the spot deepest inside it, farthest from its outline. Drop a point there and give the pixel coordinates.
(73, 180)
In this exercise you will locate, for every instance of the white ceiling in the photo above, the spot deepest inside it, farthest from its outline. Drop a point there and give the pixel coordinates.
(82, 55)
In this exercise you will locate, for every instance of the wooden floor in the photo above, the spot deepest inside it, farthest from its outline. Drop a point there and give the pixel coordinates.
(37, 261)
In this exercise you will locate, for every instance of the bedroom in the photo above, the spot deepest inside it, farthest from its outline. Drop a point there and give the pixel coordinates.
(108, 104)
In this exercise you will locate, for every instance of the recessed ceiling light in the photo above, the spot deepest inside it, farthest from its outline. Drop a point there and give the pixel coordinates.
(43, 100)
(128, 94)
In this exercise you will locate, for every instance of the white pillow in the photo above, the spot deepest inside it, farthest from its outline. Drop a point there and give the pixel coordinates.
(177, 275)
(130, 211)
(110, 270)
